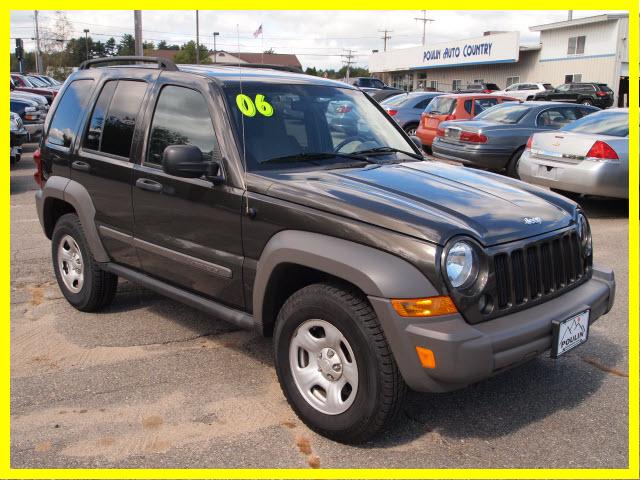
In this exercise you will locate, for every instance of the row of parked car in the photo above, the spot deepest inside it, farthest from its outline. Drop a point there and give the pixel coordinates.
(31, 96)
(563, 143)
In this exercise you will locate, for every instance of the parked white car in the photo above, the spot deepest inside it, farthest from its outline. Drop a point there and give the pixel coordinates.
(524, 91)
(588, 156)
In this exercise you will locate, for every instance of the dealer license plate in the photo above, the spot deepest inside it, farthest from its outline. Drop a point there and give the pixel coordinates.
(569, 333)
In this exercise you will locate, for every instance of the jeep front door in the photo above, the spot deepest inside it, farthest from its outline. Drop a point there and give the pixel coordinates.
(187, 230)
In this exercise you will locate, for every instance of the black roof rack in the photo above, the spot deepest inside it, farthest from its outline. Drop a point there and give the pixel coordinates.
(284, 68)
(160, 62)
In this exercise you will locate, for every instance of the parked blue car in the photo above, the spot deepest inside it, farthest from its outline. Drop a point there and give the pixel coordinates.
(407, 107)
(496, 138)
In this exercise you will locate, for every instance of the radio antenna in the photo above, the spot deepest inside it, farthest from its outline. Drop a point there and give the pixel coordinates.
(244, 143)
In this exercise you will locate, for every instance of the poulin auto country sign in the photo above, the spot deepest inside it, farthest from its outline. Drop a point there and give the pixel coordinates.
(494, 48)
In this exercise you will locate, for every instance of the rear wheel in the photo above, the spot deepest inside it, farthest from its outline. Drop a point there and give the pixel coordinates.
(83, 283)
(334, 364)
(512, 166)
(586, 101)
(411, 129)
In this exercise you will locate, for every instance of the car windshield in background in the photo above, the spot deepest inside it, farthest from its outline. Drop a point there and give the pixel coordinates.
(441, 106)
(508, 113)
(303, 125)
(396, 100)
(615, 124)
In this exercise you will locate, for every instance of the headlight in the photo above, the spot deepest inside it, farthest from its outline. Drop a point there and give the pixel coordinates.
(14, 125)
(460, 265)
(584, 234)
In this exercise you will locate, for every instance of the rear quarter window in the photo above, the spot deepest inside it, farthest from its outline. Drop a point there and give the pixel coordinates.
(441, 106)
(64, 122)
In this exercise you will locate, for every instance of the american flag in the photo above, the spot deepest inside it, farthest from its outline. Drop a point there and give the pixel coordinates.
(258, 32)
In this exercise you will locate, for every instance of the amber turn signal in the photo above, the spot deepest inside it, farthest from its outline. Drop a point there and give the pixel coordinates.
(424, 307)
(426, 356)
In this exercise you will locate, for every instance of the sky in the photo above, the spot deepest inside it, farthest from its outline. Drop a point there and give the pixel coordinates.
(319, 38)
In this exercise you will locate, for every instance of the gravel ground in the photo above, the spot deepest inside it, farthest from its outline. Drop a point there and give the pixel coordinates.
(152, 383)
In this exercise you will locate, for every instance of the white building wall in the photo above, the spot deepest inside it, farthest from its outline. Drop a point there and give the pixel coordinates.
(601, 39)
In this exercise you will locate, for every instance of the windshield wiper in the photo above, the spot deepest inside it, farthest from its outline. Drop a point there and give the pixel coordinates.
(310, 157)
(382, 150)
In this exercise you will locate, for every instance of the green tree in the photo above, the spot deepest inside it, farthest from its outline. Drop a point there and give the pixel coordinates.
(126, 45)
(110, 47)
(187, 54)
(148, 46)
(162, 45)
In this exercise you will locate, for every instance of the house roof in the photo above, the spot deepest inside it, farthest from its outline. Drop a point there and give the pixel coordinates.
(168, 54)
(284, 59)
(579, 21)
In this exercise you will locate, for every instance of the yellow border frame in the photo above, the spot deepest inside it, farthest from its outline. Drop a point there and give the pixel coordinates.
(631, 472)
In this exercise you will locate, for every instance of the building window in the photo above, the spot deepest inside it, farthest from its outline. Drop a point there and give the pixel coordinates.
(433, 85)
(576, 45)
(457, 85)
(573, 78)
(480, 80)
(512, 80)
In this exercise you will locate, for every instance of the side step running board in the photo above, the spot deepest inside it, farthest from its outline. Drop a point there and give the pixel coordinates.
(231, 315)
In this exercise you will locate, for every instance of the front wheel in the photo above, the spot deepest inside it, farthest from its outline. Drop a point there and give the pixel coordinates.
(411, 129)
(334, 364)
(586, 101)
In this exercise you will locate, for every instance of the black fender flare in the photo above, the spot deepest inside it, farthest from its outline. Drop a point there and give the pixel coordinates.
(78, 197)
(375, 272)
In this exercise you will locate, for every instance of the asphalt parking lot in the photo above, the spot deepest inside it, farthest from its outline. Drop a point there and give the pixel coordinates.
(153, 383)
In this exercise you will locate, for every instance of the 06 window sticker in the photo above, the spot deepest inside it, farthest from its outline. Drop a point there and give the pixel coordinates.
(249, 107)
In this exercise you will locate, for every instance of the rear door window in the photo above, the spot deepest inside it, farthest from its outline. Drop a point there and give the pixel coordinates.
(64, 123)
(558, 117)
(121, 119)
(481, 104)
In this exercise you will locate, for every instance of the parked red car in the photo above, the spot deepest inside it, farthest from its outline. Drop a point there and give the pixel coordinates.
(22, 83)
(453, 107)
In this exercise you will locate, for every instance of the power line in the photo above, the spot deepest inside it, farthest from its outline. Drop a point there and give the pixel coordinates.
(424, 21)
(386, 37)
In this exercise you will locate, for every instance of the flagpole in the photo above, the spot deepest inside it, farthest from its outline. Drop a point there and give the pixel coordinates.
(262, 39)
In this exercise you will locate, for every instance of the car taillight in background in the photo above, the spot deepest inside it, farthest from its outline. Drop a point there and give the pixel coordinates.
(37, 175)
(530, 142)
(439, 132)
(486, 91)
(392, 112)
(602, 94)
(602, 151)
(343, 109)
(473, 137)
(451, 116)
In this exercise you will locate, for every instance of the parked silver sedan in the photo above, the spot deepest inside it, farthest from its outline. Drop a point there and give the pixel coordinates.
(589, 156)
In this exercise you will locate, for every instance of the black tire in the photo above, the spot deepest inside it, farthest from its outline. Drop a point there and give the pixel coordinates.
(586, 101)
(99, 287)
(381, 388)
(409, 128)
(512, 166)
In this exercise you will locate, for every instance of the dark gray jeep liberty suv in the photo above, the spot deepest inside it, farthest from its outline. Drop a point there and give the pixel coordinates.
(226, 188)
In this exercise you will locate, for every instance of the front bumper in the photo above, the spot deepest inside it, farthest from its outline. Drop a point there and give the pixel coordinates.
(18, 137)
(34, 129)
(607, 179)
(480, 155)
(467, 353)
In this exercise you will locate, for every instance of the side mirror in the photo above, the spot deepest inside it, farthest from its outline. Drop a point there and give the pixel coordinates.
(186, 161)
(183, 161)
(416, 141)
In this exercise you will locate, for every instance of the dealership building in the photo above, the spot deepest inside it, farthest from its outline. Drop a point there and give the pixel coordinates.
(591, 49)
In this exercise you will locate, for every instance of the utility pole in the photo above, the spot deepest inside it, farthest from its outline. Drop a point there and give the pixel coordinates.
(215, 51)
(38, 58)
(424, 21)
(348, 62)
(198, 38)
(137, 27)
(386, 37)
(570, 15)
(86, 42)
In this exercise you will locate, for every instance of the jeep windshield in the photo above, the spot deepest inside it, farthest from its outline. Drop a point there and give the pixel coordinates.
(302, 126)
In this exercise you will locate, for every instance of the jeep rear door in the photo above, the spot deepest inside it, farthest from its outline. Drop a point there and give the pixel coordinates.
(187, 230)
(103, 164)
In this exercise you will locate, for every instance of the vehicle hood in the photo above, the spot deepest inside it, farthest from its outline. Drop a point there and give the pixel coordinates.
(428, 200)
